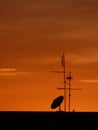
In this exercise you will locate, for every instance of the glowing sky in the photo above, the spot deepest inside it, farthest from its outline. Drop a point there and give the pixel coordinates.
(33, 36)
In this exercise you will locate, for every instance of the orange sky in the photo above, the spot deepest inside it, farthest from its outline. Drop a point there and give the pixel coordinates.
(33, 36)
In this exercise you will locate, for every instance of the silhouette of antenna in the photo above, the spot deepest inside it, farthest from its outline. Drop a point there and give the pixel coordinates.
(69, 78)
(57, 102)
(63, 65)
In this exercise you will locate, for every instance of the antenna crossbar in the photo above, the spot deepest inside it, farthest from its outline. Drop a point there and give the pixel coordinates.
(68, 88)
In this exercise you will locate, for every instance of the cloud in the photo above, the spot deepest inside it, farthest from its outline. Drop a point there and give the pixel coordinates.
(89, 81)
(84, 59)
(39, 28)
(7, 70)
(10, 72)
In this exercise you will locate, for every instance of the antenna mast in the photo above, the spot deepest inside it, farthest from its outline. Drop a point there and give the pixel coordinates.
(69, 88)
(63, 65)
(64, 72)
(69, 78)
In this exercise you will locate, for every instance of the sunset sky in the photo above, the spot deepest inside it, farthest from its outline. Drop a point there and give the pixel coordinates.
(33, 36)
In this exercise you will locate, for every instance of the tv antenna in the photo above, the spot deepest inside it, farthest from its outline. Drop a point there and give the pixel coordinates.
(69, 78)
(64, 73)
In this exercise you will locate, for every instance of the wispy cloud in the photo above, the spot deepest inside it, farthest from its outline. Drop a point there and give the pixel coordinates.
(89, 81)
(10, 72)
(88, 58)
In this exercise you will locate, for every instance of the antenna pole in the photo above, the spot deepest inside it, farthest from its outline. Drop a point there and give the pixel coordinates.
(69, 78)
(64, 83)
(63, 65)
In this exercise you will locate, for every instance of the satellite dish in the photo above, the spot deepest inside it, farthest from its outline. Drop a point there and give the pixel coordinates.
(57, 102)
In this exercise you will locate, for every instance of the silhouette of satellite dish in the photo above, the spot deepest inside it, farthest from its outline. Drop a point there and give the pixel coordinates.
(57, 102)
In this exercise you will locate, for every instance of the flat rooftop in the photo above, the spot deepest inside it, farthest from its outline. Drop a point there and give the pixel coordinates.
(38, 119)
